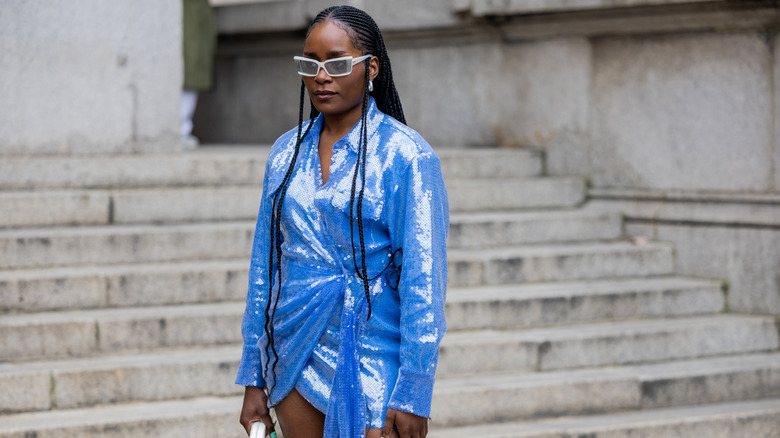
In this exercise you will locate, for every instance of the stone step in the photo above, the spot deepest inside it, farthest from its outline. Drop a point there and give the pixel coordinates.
(127, 243)
(752, 418)
(558, 263)
(79, 333)
(34, 290)
(102, 331)
(511, 397)
(54, 208)
(213, 417)
(155, 284)
(591, 345)
(152, 376)
(490, 163)
(539, 304)
(484, 230)
(47, 208)
(202, 167)
(73, 246)
(201, 371)
(516, 397)
(497, 194)
(30, 248)
(209, 166)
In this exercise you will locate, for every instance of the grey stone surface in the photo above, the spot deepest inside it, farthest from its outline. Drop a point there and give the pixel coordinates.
(122, 378)
(776, 121)
(40, 290)
(269, 16)
(238, 166)
(147, 377)
(700, 382)
(558, 262)
(23, 390)
(208, 416)
(172, 283)
(481, 195)
(481, 230)
(528, 305)
(749, 259)
(727, 420)
(445, 92)
(46, 335)
(490, 162)
(186, 204)
(87, 332)
(541, 97)
(199, 324)
(249, 17)
(653, 341)
(254, 99)
(577, 392)
(129, 244)
(613, 343)
(89, 77)
(35, 209)
(737, 212)
(506, 7)
(510, 397)
(660, 118)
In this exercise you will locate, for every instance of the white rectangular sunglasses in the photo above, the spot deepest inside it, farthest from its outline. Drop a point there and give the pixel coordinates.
(333, 67)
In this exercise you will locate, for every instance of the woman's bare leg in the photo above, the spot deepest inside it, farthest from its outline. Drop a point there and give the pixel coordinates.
(298, 418)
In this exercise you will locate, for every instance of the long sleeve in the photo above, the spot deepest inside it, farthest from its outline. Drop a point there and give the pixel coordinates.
(419, 220)
(249, 372)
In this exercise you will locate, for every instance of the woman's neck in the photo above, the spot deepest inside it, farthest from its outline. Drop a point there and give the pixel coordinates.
(340, 125)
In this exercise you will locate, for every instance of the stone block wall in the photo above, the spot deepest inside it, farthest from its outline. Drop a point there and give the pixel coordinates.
(89, 76)
(668, 107)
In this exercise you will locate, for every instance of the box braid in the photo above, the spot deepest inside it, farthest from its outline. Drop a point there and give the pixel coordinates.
(365, 36)
(275, 251)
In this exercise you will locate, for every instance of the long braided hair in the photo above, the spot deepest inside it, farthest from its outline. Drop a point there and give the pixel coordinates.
(366, 37)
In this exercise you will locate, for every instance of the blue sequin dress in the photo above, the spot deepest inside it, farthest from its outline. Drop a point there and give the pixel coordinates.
(348, 367)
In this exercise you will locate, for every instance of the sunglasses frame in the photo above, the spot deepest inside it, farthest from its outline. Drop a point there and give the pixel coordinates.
(321, 65)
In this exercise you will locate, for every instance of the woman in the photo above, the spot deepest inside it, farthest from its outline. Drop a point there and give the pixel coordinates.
(345, 309)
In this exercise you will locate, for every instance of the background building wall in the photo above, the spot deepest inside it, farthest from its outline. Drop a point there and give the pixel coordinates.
(89, 76)
(667, 107)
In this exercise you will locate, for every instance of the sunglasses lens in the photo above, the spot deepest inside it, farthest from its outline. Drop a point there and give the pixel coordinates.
(338, 67)
(307, 68)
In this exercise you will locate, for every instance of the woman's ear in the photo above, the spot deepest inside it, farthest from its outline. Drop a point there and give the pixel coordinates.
(373, 67)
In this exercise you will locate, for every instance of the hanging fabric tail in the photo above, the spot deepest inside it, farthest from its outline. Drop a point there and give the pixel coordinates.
(347, 417)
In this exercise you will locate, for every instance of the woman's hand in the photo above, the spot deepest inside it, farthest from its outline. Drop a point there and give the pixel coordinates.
(255, 408)
(408, 424)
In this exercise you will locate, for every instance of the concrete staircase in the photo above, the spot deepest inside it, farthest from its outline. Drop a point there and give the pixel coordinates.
(123, 278)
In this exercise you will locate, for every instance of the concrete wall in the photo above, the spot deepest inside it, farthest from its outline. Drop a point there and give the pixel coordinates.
(672, 122)
(89, 76)
(683, 111)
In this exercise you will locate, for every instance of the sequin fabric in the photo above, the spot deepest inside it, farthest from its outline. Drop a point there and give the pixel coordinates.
(349, 367)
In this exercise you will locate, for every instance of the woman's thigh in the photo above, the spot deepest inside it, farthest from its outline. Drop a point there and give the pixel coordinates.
(298, 418)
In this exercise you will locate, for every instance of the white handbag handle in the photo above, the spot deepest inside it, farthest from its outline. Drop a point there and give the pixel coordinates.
(258, 430)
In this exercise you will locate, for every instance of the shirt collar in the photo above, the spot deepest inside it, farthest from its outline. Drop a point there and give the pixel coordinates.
(352, 139)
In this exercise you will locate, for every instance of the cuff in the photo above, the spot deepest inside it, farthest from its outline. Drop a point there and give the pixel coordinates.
(249, 373)
(412, 393)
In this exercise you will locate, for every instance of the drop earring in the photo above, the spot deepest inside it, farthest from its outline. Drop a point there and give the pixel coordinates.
(370, 86)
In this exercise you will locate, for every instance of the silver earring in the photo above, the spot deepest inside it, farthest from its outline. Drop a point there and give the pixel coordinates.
(370, 86)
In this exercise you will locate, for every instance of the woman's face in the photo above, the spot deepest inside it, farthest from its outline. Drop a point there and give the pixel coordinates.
(340, 95)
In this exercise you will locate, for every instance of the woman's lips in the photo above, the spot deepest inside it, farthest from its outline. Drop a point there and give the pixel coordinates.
(324, 94)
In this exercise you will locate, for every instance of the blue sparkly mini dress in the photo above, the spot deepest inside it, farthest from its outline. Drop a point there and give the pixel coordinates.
(346, 365)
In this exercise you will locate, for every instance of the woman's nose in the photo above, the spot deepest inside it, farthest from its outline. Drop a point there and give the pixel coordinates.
(322, 76)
